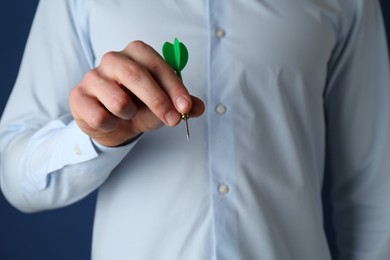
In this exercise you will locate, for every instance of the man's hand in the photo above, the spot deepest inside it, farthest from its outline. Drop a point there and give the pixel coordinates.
(130, 92)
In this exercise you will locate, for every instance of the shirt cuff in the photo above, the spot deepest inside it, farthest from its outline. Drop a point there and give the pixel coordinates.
(105, 149)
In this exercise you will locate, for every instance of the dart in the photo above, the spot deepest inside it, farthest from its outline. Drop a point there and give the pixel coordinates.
(176, 55)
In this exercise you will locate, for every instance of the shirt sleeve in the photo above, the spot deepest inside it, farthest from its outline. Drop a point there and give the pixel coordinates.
(47, 162)
(357, 104)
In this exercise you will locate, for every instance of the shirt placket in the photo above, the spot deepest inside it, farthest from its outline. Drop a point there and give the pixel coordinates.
(221, 136)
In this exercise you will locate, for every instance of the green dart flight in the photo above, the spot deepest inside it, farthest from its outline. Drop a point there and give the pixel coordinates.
(176, 55)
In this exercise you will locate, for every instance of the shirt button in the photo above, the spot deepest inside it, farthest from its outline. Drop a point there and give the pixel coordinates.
(220, 109)
(223, 189)
(77, 150)
(220, 33)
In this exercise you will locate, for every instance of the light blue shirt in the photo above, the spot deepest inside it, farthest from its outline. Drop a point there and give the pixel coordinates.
(294, 89)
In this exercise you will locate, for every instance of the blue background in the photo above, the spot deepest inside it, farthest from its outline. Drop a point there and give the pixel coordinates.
(62, 234)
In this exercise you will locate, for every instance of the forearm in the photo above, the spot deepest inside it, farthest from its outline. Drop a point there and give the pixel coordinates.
(54, 166)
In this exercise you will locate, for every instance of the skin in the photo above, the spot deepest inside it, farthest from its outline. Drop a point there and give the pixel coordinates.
(131, 92)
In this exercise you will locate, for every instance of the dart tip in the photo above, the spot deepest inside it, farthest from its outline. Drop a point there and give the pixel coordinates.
(185, 118)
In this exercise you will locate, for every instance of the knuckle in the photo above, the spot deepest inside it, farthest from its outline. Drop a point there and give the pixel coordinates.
(109, 57)
(91, 76)
(133, 72)
(120, 103)
(72, 100)
(75, 96)
(136, 45)
(99, 120)
(159, 66)
(160, 104)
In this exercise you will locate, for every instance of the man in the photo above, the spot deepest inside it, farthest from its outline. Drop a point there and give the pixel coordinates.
(294, 90)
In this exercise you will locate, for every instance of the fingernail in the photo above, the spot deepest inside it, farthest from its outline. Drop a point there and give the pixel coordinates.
(172, 117)
(182, 103)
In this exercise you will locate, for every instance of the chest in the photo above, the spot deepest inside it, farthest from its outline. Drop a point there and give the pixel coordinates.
(256, 31)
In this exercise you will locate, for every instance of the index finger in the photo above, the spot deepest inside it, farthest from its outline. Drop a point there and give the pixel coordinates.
(164, 75)
(139, 81)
